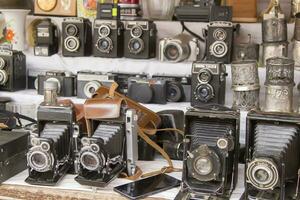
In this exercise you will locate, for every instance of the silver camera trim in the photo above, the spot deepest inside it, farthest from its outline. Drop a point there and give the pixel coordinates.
(219, 30)
(98, 156)
(106, 27)
(74, 39)
(131, 50)
(136, 27)
(88, 85)
(49, 159)
(53, 79)
(2, 63)
(110, 47)
(4, 76)
(75, 28)
(213, 49)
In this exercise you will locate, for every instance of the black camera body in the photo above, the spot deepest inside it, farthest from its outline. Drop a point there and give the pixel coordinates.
(208, 83)
(51, 154)
(211, 153)
(140, 39)
(12, 69)
(46, 43)
(272, 156)
(66, 83)
(76, 37)
(145, 90)
(108, 38)
(122, 80)
(178, 88)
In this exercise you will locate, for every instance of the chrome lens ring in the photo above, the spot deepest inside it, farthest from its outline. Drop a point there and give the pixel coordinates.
(40, 160)
(136, 31)
(136, 45)
(91, 161)
(220, 34)
(218, 49)
(104, 30)
(204, 76)
(71, 30)
(90, 88)
(104, 44)
(3, 77)
(2, 63)
(72, 44)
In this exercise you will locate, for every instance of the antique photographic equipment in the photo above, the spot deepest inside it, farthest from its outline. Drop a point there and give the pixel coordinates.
(145, 90)
(103, 156)
(65, 81)
(122, 80)
(13, 153)
(50, 156)
(178, 88)
(76, 37)
(140, 39)
(208, 83)
(279, 85)
(219, 40)
(12, 69)
(108, 11)
(211, 153)
(46, 39)
(272, 156)
(55, 7)
(245, 85)
(182, 47)
(274, 49)
(89, 82)
(243, 10)
(296, 42)
(246, 50)
(195, 10)
(108, 38)
(130, 9)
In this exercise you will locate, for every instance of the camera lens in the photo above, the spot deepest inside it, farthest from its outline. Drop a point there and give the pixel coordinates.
(204, 92)
(90, 88)
(3, 77)
(204, 166)
(90, 161)
(39, 161)
(174, 92)
(172, 52)
(218, 49)
(104, 31)
(104, 45)
(220, 34)
(136, 32)
(72, 44)
(2, 63)
(204, 76)
(262, 175)
(136, 45)
(71, 30)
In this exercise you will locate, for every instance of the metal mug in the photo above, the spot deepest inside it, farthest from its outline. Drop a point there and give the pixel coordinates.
(274, 49)
(246, 100)
(274, 30)
(296, 54)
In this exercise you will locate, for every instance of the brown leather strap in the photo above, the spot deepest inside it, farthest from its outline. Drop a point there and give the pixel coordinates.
(136, 176)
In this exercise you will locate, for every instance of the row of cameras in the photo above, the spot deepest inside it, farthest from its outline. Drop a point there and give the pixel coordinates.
(210, 149)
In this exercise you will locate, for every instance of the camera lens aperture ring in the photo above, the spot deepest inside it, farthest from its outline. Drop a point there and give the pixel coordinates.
(90, 88)
(72, 44)
(136, 31)
(262, 174)
(220, 34)
(104, 44)
(3, 77)
(204, 92)
(2, 63)
(218, 49)
(40, 160)
(136, 45)
(92, 161)
(104, 30)
(174, 92)
(173, 52)
(71, 30)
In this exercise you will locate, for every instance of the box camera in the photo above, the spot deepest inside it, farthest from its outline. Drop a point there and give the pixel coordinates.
(272, 156)
(219, 41)
(50, 156)
(178, 88)
(12, 69)
(111, 150)
(208, 83)
(122, 80)
(197, 10)
(66, 83)
(211, 153)
(108, 38)
(140, 39)
(77, 37)
(13, 153)
(46, 43)
(89, 82)
(145, 90)
(179, 48)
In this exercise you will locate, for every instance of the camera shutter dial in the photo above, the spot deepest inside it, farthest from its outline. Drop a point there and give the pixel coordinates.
(204, 92)
(3, 77)
(262, 174)
(72, 44)
(104, 44)
(204, 164)
(136, 45)
(90, 88)
(218, 49)
(104, 31)
(136, 32)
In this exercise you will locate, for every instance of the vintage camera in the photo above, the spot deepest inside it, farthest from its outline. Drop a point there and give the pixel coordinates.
(89, 82)
(196, 10)
(66, 83)
(108, 38)
(140, 39)
(272, 156)
(51, 154)
(178, 88)
(145, 90)
(111, 150)
(77, 37)
(12, 69)
(179, 48)
(122, 80)
(208, 83)
(46, 43)
(219, 41)
(211, 153)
